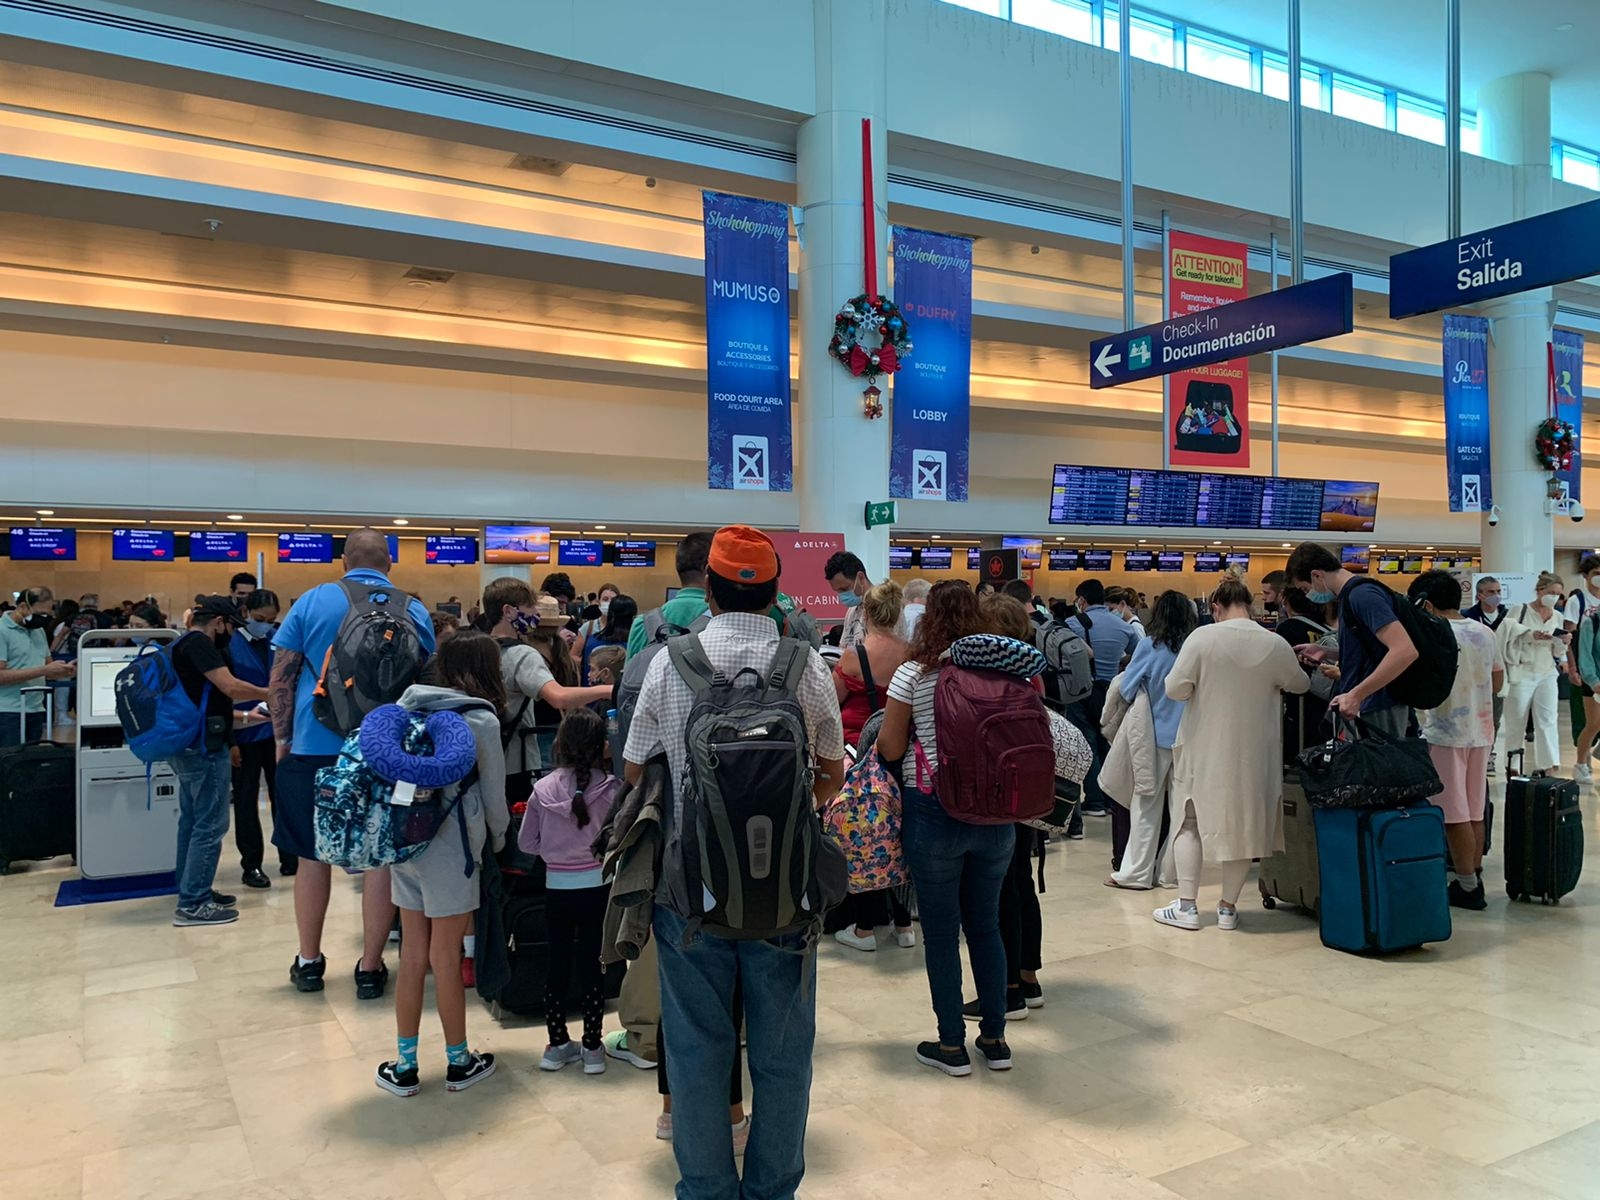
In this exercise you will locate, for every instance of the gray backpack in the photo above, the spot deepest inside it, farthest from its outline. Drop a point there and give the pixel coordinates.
(748, 855)
(632, 681)
(1069, 669)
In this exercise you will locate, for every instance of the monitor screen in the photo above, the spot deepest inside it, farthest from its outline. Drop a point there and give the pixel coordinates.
(1229, 501)
(1065, 560)
(900, 558)
(1411, 564)
(450, 550)
(974, 557)
(937, 558)
(580, 552)
(1236, 562)
(635, 554)
(1030, 551)
(1138, 560)
(1162, 497)
(394, 546)
(1097, 560)
(305, 547)
(1355, 558)
(1208, 560)
(672, 591)
(103, 674)
(1089, 495)
(1388, 564)
(516, 543)
(219, 545)
(1169, 560)
(142, 545)
(1291, 503)
(30, 543)
(1348, 507)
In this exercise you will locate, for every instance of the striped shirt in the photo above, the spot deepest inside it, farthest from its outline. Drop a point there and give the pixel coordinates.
(914, 684)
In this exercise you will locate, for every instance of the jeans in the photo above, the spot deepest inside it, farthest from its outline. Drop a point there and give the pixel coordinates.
(204, 781)
(12, 732)
(735, 1081)
(959, 870)
(778, 982)
(258, 760)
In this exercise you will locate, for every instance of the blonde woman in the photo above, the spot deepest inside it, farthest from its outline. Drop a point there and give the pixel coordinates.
(1533, 641)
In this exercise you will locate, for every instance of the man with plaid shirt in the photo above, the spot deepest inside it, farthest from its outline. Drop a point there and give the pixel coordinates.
(778, 977)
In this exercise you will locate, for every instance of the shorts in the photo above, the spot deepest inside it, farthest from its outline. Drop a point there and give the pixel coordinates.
(436, 882)
(1464, 771)
(294, 829)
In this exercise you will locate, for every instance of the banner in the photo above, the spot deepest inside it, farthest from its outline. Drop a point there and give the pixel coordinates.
(933, 388)
(1208, 416)
(750, 445)
(1466, 413)
(1569, 402)
(802, 557)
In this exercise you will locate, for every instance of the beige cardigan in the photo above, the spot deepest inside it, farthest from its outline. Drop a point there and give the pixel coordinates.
(1228, 756)
(1130, 766)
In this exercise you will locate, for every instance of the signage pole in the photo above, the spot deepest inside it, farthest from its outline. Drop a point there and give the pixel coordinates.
(1125, 76)
(1166, 309)
(1452, 117)
(1273, 249)
(1297, 227)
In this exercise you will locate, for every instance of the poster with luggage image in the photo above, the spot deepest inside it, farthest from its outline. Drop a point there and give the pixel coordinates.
(1208, 408)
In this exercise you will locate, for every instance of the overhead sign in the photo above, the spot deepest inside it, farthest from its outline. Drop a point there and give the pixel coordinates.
(804, 558)
(880, 512)
(1307, 312)
(1208, 418)
(1542, 251)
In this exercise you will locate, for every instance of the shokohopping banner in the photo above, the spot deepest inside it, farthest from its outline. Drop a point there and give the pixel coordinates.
(1466, 412)
(1209, 419)
(933, 388)
(750, 445)
(1569, 402)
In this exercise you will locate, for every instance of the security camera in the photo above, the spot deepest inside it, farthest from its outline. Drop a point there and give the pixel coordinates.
(1494, 514)
(1575, 510)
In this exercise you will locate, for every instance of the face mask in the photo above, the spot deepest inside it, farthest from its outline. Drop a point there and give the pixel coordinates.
(605, 607)
(1319, 597)
(220, 640)
(524, 624)
(37, 620)
(259, 629)
(1271, 606)
(849, 598)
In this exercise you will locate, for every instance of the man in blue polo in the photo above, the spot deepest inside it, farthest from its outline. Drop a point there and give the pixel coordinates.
(305, 745)
(1111, 641)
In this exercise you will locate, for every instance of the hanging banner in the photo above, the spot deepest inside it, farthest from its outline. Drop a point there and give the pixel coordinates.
(933, 388)
(803, 558)
(1568, 384)
(750, 445)
(1466, 413)
(1208, 408)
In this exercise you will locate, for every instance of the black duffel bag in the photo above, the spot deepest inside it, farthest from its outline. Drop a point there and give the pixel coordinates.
(1363, 767)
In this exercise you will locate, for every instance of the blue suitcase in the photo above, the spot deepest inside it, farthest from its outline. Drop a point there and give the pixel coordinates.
(1383, 877)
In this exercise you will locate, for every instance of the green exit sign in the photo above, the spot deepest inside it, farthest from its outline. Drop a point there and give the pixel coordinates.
(881, 513)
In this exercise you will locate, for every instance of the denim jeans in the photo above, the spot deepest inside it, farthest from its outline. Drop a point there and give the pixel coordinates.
(205, 780)
(778, 981)
(12, 732)
(959, 870)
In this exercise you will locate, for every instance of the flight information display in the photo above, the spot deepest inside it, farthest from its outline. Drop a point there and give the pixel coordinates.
(1169, 560)
(450, 550)
(580, 552)
(936, 558)
(1138, 560)
(1236, 562)
(974, 557)
(1229, 501)
(305, 547)
(1089, 496)
(900, 558)
(1065, 560)
(1291, 504)
(44, 545)
(218, 545)
(142, 545)
(635, 554)
(1207, 560)
(1411, 564)
(1097, 560)
(1162, 497)
(1388, 564)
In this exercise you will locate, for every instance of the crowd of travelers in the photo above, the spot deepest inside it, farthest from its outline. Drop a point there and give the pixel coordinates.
(609, 741)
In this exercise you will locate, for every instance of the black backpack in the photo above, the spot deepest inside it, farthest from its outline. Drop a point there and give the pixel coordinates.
(1428, 681)
(374, 657)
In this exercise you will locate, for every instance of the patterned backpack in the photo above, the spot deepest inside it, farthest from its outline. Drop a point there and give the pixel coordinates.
(864, 819)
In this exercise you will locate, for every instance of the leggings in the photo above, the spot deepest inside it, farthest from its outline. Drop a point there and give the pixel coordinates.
(1188, 853)
(736, 1084)
(868, 910)
(1021, 927)
(576, 921)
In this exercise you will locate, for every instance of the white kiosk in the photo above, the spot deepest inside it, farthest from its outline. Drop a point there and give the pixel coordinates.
(126, 824)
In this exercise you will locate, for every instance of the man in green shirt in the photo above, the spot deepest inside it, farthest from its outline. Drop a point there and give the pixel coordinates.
(690, 602)
(25, 663)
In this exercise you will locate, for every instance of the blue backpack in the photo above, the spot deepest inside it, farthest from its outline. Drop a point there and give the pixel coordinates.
(158, 717)
(365, 817)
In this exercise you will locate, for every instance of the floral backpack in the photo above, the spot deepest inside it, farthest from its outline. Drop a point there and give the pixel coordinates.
(864, 819)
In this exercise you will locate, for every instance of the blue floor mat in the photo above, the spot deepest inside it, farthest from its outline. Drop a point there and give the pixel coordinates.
(102, 891)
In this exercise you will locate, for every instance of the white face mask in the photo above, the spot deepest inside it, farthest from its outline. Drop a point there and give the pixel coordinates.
(605, 607)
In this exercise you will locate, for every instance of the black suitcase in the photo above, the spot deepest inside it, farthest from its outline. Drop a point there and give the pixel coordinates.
(38, 801)
(1542, 838)
(528, 945)
(1294, 876)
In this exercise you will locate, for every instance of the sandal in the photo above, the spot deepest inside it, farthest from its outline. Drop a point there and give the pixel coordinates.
(1111, 882)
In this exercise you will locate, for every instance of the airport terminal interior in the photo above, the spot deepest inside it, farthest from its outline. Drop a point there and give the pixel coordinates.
(945, 284)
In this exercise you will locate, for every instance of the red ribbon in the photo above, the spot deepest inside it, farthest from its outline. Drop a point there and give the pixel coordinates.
(869, 231)
(1550, 361)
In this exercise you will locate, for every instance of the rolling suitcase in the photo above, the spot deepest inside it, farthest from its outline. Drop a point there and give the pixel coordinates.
(1383, 877)
(528, 947)
(1542, 840)
(38, 798)
(1292, 876)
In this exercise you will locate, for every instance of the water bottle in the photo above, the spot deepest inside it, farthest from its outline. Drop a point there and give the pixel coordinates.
(611, 724)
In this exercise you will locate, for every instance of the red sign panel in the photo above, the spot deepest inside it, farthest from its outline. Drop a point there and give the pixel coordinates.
(804, 555)
(1208, 417)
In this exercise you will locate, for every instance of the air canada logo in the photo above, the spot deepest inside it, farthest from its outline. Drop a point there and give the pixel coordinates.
(995, 567)
(750, 464)
(930, 466)
(1471, 494)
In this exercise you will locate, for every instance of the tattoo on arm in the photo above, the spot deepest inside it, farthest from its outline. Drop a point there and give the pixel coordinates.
(280, 692)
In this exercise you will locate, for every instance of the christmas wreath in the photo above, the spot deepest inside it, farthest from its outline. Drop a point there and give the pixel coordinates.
(870, 338)
(1553, 443)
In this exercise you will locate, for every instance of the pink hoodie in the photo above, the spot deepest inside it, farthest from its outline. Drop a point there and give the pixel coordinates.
(549, 829)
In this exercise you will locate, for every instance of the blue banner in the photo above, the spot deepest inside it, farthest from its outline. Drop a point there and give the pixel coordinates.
(933, 389)
(1569, 402)
(750, 446)
(1466, 412)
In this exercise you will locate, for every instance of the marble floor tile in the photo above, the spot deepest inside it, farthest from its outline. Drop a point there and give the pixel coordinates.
(133, 977)
(59, 1180)
(175, 1168)
(61, 1051)
(1148, 1138)
(1305, 1019)
(1469, 1129)
(1568, 1165)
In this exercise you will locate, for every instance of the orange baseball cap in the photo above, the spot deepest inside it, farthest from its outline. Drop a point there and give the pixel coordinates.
(743, 554)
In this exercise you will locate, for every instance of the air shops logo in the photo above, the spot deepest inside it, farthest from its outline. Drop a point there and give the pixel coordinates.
(1478, 266)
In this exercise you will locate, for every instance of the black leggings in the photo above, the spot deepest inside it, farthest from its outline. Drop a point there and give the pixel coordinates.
(736, 1084)
(576, 921)
(258, 760)
(868, 910)
(1021, 926)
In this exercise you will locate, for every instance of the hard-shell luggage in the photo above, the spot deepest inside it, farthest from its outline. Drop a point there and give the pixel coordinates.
(1292, 876)
(1383, 877)
(1542, 841)
(38, 798)
(528, 945)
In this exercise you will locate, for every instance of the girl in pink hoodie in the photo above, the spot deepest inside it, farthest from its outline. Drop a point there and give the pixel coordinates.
(568, 809)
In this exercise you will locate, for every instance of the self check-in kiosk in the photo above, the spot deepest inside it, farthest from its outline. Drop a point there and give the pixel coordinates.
(127, 822)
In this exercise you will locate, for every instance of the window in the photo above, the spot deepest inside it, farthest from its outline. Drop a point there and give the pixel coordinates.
(1470, 143)
(1360, 102)
(1226, 62)
(1153, 40)
(1580, 167)
(992, 8)
(1275, 82)
(1068, 18)
(1419, 119)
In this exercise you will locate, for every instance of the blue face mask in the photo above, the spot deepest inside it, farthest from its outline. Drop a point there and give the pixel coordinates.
(259, 629)
(849, 599)
(1321, 597)
(524, 624)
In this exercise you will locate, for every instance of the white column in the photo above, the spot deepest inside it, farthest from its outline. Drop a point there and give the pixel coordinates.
(843, 457)
(1514, 126)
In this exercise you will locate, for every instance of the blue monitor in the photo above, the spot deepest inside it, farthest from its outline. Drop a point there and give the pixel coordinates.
(29, 543)
(142, 545)
(580, 552)
(305, 547)
(219, 545)
(634, 554)
(450, 550)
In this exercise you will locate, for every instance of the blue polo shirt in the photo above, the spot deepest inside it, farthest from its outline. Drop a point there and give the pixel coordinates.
(1110, 637)
(309, 630)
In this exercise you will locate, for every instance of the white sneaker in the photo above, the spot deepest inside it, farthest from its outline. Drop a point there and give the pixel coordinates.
(594, 1061)
(906, 939)
(616, 1045)
(741, 1136)
(664, 1127)
(1227, 918)
(847, 937)
(1178, 917)
(1583, 771)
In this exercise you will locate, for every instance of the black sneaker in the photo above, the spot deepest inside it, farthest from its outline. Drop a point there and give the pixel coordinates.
(204, 913)
(458, 1079)
(996, 1053)
(1016, 1009)
(308, 978)
(370, 984)
(1032, 994)
(1461, 898)
(222, 899)
(952, 1062)
(255, 877)
(397, 1082)
(287, 867)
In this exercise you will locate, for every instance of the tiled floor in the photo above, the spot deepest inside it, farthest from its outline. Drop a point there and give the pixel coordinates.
(144, 1061)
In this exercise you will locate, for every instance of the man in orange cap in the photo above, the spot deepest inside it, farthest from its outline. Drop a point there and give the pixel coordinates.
(700, 970)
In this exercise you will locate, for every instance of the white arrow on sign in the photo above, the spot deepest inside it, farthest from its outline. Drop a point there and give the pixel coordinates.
(1105, 360)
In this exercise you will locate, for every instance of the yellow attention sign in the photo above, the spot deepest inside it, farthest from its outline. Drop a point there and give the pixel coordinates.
(1217, 270)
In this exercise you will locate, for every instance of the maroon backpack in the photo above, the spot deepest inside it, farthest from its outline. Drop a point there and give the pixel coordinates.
(997, 762)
